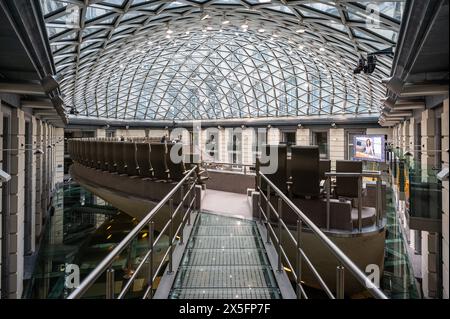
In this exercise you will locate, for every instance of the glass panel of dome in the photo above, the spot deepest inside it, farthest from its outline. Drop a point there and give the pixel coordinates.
(49, 6)
(55, 30)
(281, 8)
(325, 8)
(117, 3)
(94, 12)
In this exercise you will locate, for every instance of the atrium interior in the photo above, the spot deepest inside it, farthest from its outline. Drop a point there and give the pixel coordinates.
(224, 149)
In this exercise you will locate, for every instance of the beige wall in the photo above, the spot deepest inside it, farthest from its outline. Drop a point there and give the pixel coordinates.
(303, 136)
(403, 136)
(336, 147)
(44, 177)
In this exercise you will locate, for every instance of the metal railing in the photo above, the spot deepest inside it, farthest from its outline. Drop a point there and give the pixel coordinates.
(244, 168)
(189, 180)
(344, 263)
(378, 200)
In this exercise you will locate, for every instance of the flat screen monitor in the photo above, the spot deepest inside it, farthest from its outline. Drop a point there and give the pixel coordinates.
(368, 148)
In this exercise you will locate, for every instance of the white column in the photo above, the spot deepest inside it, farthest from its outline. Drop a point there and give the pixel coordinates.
(303, 137)
(336, 147)
(38, 179)
(59, 155)
(427, 141)
(445, 200)
(273, 136)
(247, 146)
(223, 151)
(100, 132)
(17, 188)
(1, 186)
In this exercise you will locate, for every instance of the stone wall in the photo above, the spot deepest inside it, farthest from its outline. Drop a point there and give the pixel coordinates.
(46, 172)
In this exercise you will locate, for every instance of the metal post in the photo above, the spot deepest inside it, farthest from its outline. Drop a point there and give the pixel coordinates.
(110, 283)
(340, 282)
(360, 203)
(268, 214)
(258, 179)
(190, 201)
(299, 259)
(280, 216)
(379, 201)
(151, 227)
(170, 271)
(328, 201)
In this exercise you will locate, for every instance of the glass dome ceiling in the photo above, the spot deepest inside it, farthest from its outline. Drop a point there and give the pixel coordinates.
(183, 60)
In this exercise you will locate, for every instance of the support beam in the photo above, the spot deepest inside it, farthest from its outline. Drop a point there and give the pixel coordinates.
(38, 104)
(424, 90)
(22, 89)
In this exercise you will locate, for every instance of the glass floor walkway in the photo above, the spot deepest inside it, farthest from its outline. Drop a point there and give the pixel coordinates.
(224, 259)
(83, 229)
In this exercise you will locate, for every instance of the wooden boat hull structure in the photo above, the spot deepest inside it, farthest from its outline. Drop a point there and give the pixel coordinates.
(132, 195)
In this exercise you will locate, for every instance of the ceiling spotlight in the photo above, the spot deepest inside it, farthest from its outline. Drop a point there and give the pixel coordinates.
(322, 49)
(333, 125)
(167, 36)
(187, 32)
(169, 31)
(244, 25)
(301, 46)
(299, 125)
(300, 30)
(261, 30)
(209, 28)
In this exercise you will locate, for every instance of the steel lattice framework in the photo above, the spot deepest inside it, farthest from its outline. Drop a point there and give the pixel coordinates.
(164, 60)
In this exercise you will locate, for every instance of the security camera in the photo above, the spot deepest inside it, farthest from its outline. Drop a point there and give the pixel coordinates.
(4, 177)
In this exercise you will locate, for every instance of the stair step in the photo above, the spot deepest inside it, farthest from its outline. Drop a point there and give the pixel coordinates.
(224, 242)
(224, 257)
(210, 219)
(224, 277)
(234, 293)
(225, 231)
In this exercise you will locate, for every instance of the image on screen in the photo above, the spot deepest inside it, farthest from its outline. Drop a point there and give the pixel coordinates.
(368, 148)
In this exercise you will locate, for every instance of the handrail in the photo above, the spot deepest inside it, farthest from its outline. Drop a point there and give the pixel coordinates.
(105, 264)
(245, 167)
(344, 261)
